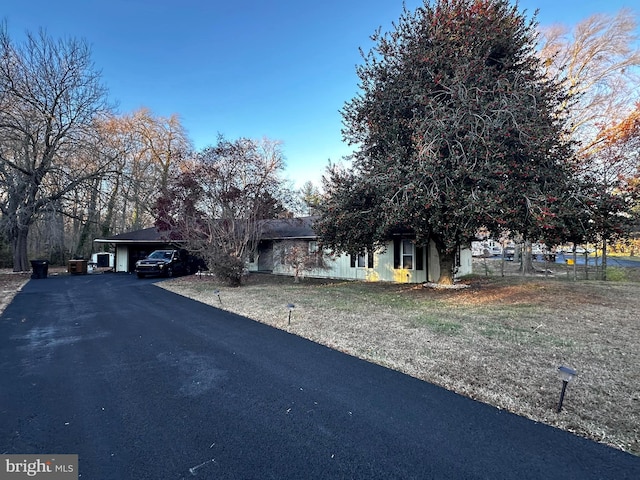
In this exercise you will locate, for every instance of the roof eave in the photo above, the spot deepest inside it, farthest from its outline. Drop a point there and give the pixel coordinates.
(159, 242)
(294, 237)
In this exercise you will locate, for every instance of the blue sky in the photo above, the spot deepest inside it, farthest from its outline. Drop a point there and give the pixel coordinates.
(252, 68)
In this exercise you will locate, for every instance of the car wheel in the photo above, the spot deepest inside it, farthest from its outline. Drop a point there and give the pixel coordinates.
(140, 275)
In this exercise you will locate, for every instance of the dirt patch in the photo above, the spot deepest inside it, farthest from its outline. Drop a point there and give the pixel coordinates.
(10, 284)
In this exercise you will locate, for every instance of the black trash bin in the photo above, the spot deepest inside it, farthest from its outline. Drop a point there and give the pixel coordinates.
(40, 268)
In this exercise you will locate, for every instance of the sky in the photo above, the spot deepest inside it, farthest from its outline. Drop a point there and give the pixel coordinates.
(281, 69)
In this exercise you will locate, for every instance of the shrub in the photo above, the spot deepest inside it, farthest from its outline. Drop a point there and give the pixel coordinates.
(228, 268)
(616, 274)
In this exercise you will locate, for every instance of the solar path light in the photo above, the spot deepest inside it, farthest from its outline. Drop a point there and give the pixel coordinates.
(217, 292)
(566, 375)
(290, 306)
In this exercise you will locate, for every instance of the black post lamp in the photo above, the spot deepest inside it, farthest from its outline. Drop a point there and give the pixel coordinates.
(217, 292)
(566, 375)
(290, 306)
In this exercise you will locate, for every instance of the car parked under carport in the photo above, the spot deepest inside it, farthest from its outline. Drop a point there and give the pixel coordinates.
(164, 263)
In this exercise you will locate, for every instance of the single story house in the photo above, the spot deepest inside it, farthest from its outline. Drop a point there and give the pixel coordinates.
(401, 261)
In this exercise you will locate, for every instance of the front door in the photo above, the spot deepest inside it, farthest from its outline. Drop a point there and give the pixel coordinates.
(265, 256)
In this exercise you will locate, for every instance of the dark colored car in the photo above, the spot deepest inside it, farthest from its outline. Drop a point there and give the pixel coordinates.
(164, 263)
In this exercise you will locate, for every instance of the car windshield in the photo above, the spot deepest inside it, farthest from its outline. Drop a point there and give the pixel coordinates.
(160, 254)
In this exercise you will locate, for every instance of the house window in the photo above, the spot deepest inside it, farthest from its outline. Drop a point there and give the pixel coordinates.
(362, 260)
(407, 252)
(407, 255)
(313, 247)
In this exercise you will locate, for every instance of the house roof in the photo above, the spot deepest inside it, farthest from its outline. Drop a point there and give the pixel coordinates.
(146, 235)
(275, 229)
(288, 228)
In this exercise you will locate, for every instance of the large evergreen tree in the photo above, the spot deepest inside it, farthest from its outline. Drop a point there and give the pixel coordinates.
(456, 128)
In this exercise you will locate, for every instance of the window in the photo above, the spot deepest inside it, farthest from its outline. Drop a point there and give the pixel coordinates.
(407, 254)
(313, 247)
(362, 260)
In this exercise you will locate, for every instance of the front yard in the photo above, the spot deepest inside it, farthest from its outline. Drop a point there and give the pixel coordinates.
(499, 341)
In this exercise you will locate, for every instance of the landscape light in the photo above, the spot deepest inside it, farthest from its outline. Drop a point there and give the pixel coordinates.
(217, 292)
(566, 375)
(290, 306)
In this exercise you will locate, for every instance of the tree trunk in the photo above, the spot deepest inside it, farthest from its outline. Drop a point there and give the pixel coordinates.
(586, 264)
(447, 262)
(107, 223)
(526, 263)
(19, 244)
(604, 259)
(84, 245)
(57, 249)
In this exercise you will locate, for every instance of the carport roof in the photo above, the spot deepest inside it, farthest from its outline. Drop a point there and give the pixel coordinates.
(146, 235)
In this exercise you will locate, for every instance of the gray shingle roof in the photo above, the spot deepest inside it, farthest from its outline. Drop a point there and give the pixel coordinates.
(287, 228)
(275, 229)
(146, 235)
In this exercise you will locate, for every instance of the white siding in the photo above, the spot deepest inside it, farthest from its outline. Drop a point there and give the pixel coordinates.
(382, 271)
(466, 263)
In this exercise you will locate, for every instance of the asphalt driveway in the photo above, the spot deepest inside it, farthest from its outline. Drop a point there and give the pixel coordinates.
(145, 384)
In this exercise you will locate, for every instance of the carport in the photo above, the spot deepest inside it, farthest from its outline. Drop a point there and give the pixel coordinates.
(133, 246)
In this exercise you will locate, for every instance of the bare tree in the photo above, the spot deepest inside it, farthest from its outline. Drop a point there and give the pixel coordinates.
(145, 150)
(596, 62)
(50, 95)
(165, 141)
(615, 172)
(218, 201)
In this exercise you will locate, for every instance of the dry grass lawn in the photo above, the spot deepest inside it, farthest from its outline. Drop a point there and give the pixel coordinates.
(10, 284)
(500, 341)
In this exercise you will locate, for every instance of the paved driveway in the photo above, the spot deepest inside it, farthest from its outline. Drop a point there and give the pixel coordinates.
(145, 384)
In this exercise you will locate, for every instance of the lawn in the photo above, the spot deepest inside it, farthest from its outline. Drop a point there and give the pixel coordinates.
(499, 341)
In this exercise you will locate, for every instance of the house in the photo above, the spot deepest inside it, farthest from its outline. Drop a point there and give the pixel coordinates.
(401, 261)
